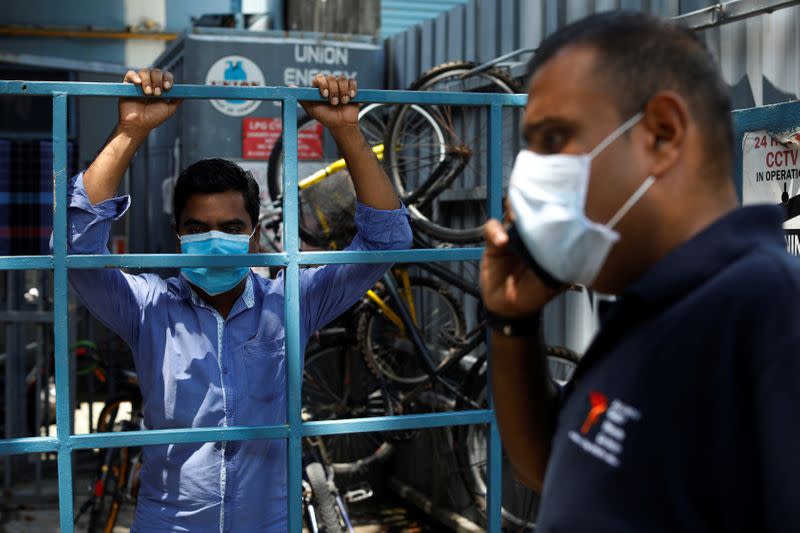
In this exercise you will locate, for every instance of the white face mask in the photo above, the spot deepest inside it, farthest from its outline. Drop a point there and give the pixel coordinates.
(547, 194)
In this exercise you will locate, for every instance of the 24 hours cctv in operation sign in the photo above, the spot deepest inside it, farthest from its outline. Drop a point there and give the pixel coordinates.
(771, 175)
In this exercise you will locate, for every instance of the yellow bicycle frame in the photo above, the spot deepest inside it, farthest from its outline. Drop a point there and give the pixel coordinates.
(407, 296)
(333, 168)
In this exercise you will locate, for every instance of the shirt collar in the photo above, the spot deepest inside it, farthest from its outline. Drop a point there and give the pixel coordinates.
(707, 253)
(247, 297)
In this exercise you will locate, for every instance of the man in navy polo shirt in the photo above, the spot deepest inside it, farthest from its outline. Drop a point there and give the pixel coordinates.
(683, 414)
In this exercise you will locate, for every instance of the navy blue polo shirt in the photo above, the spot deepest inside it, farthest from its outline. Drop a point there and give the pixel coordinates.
(684, 414)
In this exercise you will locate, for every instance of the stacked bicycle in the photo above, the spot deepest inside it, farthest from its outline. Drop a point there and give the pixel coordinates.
(412, 350)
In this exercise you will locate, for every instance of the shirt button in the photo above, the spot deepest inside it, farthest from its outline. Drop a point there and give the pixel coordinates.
(224, 369)
(227, 496)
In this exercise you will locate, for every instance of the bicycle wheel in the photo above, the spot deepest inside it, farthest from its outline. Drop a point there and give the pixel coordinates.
(520, 504)
(114, 472)
(388, 350)
(326, 208)
(323, 499)
(336, 384)
(446, 196)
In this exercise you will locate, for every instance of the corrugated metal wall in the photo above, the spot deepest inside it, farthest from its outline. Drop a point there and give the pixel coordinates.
(764, 49)
(758, 58)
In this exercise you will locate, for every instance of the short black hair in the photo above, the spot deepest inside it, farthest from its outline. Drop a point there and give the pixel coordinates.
(209, 176)
(640, 54)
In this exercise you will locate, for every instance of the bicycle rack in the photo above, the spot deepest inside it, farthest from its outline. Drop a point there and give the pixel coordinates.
(291, 259)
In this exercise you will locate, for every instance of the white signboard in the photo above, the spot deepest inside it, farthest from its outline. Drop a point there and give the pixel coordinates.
(235, 71)
(771, 175)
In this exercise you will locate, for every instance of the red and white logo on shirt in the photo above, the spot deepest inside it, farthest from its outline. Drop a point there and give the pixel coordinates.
(602, 433)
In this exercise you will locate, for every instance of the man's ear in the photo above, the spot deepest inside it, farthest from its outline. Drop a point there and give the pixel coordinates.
(666, 117)
(177, 239)
(255, 242)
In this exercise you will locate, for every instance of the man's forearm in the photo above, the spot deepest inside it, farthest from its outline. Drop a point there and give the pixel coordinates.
(373, 187)
(524, 399)
(103, 177)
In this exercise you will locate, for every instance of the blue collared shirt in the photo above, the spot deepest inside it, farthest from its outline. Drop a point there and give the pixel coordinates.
(197, 369)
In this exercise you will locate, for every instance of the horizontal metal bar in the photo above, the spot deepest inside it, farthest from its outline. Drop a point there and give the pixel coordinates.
(176, 436)
(725, 12)
(395, 423)
(189, 435)
(173, 260)
(775, 117)
(46, 88)
(28, 445)
(26, 316)
(26, 262)
(391, 256)
(280, 260)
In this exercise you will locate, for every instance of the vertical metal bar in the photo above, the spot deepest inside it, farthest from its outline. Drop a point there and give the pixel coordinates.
(39, 377)
(494, 496)
(294, 378)
(60, 311)
(10, 400)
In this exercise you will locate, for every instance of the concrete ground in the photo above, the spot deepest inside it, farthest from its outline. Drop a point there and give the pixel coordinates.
(31, 513)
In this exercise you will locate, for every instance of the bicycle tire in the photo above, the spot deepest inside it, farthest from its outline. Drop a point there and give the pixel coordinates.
(376, 356)
(427, 81)
(106, 520)
(308, 234)
(324, 501)
(329, 394)
(470, 469)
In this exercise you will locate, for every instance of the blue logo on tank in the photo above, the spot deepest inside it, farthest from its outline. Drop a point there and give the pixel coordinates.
(235, 72)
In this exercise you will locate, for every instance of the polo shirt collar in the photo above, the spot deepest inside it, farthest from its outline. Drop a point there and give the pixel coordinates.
(706, 254)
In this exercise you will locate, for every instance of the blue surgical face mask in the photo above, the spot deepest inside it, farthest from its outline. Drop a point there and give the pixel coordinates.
(219, 279)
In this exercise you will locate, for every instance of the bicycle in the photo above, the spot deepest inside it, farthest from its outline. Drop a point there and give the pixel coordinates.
(424, 150)
(116, 482)
(326, 197)
(421, 176)
(336, 384)
(520, 504)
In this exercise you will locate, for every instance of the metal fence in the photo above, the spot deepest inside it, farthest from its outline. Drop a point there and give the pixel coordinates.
(291, 259)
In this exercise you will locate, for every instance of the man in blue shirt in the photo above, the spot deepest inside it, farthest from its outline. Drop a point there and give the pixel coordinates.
(682, 415)
(209, 345)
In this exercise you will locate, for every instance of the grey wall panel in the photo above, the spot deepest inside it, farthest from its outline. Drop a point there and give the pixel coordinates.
(455, 34)
(488, 30)
(411, 59)
(470, 32)
(426, 46)
(530, 24)
(508, 30)
(440, 39)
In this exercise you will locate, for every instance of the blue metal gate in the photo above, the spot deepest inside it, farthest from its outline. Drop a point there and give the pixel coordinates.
(291, 259)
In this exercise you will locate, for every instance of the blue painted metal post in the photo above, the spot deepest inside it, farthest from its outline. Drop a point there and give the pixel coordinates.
(61, 312)
(294, 378)
(494, 496)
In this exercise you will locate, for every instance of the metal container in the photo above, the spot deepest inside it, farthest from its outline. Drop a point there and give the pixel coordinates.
(203, 128)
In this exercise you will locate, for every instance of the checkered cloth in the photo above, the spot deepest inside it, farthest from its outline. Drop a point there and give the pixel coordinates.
(26, 195)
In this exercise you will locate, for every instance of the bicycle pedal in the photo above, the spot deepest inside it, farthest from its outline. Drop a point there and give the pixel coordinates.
(362, 492)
